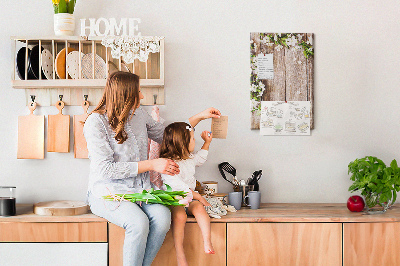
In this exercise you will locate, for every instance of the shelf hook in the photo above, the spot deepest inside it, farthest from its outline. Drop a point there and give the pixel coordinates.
(60, 97)
(85, 97)
(33, 98)
(155, 98)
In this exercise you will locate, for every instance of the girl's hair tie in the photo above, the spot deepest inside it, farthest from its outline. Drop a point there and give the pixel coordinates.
(189, 128)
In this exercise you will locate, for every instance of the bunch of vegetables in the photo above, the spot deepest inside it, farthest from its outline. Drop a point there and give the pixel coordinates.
(164, 197)
(64, 6)
(374, 180)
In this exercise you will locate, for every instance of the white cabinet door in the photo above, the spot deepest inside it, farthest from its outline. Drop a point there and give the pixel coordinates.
(60, 254)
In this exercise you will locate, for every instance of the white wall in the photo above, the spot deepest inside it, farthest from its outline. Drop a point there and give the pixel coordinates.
(207, 64)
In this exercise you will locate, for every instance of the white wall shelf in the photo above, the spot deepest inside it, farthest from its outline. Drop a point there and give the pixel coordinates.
(151, 73)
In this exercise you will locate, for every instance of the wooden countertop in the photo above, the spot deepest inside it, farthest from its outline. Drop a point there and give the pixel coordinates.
(25, 214)
(307, 213)
(268, 212)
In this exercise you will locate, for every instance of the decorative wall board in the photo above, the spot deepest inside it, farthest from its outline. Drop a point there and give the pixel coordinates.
(282, 69)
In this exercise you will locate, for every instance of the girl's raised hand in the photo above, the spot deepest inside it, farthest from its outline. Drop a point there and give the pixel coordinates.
(165, 166)
(206, 136)
(210, 113)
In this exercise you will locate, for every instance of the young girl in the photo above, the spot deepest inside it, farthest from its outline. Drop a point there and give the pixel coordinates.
(178, 145)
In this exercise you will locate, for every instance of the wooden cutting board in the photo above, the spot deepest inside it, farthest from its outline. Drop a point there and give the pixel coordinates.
(60, 208)
(61, 63)
(58, 131)
(31, 135)
(80, 149)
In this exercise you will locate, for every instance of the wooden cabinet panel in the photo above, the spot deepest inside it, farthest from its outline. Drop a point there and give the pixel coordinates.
(60, 254)
(166, 256)
(194, 250)
(371, 244)
(53, 232)
(284, 244)
(116, 237)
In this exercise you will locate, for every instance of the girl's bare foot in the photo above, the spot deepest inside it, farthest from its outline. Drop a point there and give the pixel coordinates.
(182, 261)
(209, 249)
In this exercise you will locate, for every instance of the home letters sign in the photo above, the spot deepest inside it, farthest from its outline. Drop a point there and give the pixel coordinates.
(126, 26)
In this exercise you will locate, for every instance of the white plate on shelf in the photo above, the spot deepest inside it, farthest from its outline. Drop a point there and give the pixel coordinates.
(47, 63)
(73, 64)
(100, 68)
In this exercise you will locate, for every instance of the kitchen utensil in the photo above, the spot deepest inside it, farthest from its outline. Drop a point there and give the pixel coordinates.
(73, 64)
(60, 208)
(34, 61)
(47, 63)
(225, 166)
(254, 179)
(61, 63)
(7, 201)
(235, 199)
(31, 135)
(58, 131)
(257, 178)
(254, 199)
(99, 67)
(20, 60)
(245, 190)
(80, 149)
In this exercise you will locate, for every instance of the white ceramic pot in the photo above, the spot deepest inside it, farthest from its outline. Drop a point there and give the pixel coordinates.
(64, 24)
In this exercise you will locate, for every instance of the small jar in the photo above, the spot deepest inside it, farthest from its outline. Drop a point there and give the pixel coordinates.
(7, 201)
(211, 187)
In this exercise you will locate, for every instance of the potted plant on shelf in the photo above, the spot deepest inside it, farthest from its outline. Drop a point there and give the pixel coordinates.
(64, 22)
(377, 182)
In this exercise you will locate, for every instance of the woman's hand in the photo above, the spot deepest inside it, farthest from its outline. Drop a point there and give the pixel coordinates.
(208, 113)
(206, 136)
(165, 166)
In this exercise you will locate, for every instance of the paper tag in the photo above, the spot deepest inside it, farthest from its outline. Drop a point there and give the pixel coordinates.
(219, 127)
(265, 66)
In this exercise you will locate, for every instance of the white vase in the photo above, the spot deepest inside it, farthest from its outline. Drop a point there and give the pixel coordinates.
(64, 24)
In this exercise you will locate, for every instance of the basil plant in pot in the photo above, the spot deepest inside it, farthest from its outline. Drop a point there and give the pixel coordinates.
(377, 182)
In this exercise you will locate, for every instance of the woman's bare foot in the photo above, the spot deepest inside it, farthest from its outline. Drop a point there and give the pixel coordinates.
(209, 249)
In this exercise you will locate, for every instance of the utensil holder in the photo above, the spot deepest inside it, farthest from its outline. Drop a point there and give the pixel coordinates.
(245, 191)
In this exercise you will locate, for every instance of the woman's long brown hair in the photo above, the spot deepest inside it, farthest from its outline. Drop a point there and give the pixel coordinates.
(120, 95)
(175, 144)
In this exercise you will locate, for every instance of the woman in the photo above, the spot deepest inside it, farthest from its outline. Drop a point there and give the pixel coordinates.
(116, 133)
